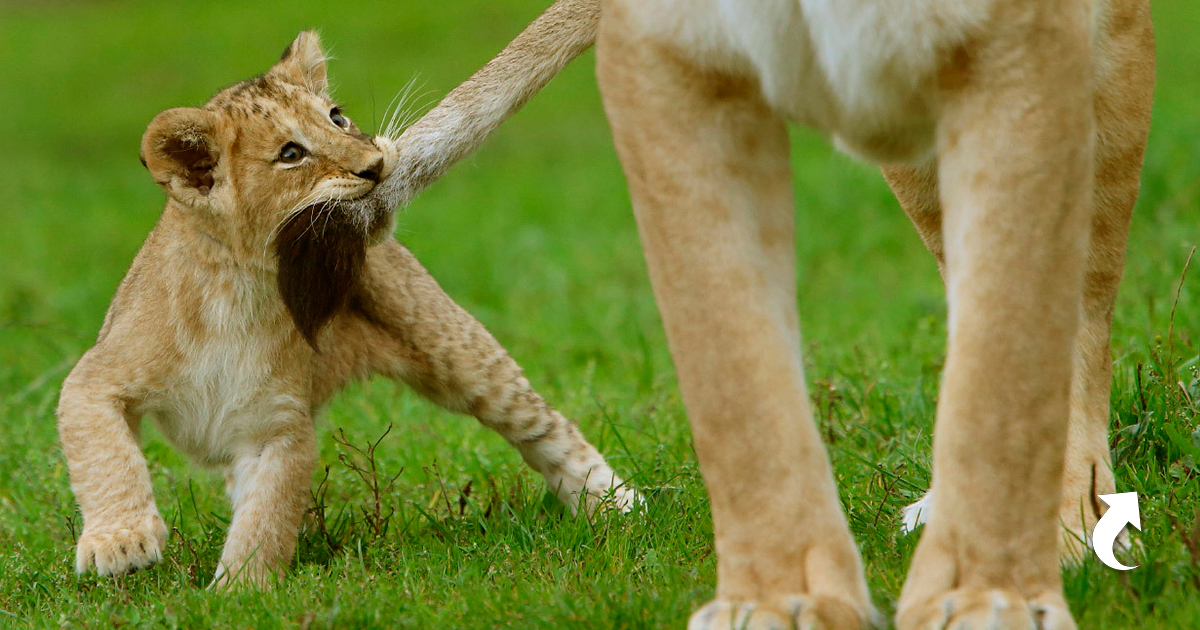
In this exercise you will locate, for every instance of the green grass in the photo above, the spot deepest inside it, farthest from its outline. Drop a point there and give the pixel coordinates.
(535, 237)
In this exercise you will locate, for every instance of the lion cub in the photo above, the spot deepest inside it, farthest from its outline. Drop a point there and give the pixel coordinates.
(255, 298)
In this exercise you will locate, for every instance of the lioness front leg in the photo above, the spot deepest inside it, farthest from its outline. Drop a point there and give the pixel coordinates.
(1016, 173)
(708, 170)
(1088, 471)
(122, 529)
(268, 483)
(1123, 99)
(414, 332)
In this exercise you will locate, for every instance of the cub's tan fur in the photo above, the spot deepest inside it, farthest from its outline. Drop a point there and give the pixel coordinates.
(200, 337)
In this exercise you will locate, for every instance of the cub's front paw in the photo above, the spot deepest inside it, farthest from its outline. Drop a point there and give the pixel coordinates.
(986, 609)
(798, 612)
(115, 548)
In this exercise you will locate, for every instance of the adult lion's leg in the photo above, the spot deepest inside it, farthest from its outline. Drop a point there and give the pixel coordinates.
(1122, 109)
(916, 188)
(269, 487)
(1124, 86)
(1015, 151)
(708, 170)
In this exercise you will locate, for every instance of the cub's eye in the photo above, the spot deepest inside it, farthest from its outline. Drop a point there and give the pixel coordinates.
(338, 119)
(292, 153)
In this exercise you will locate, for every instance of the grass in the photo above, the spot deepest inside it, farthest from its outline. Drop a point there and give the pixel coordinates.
(534, 236)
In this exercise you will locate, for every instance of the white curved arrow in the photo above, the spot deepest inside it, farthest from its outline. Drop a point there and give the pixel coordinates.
(1122, 511)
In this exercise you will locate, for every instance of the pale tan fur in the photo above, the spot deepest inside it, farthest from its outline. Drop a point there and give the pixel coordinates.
(465, 118)
(197, 336)
(1015, 131)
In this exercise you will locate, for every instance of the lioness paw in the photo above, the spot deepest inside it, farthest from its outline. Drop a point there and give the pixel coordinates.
(116, 549)
(798, 612)
(986, 609)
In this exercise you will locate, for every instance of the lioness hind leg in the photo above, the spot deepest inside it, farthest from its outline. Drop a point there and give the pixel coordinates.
(122, 529)
(1122, 111)
(411, 330)
(1016, 172)
(708, 170)
(1124, 95)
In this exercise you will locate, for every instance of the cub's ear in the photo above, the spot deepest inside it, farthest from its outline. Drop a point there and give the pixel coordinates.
(180, 150)
(303, 63)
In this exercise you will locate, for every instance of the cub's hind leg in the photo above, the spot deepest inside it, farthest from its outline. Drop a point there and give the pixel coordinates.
(916, 188)
(413, 331)
(122, 529)
(710, 179)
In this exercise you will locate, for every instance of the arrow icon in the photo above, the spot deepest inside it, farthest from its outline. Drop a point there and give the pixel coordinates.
(1122, 511)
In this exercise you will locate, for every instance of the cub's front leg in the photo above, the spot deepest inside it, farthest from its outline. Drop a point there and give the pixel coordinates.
(122, 529)
(268, 484)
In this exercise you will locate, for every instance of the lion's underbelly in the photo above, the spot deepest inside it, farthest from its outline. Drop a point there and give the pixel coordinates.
(858, 70)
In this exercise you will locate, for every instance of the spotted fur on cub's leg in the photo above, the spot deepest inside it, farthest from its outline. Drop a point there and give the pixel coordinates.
(411, 330)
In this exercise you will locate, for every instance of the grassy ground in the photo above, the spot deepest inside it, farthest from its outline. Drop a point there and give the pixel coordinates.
(535, 237)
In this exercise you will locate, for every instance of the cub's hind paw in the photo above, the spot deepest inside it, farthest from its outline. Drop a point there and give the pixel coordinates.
(799, 612)
(986, 609)
(116, 549)
(623, 499)
(596, 490)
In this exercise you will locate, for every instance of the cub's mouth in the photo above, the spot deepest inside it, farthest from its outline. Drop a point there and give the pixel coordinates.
(322, 248)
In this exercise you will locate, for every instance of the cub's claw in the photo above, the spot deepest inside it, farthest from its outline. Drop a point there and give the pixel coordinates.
(116, 549)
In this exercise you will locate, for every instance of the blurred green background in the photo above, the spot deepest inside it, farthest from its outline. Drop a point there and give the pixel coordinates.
(535, 237)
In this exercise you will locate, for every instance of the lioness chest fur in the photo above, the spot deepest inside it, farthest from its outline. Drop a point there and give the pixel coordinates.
(255, 298)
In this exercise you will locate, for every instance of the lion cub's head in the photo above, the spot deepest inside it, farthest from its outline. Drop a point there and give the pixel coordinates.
(261, 167)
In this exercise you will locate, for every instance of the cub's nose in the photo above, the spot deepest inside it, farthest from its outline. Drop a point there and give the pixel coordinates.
(372, 171)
